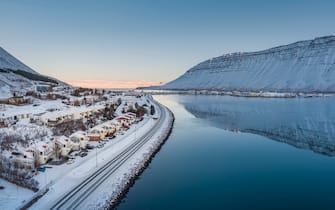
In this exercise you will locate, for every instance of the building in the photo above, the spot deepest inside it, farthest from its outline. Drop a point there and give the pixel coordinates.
(97, 133)
(43, 152)
(63, 146)
(79, 140)
(131, 116)
(117, 125)
(16, 100)
(43, 88)
(3, 123)
(56, 117)
(124, 121)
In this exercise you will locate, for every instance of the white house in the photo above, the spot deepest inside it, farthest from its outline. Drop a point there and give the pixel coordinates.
(24, 160)
(117, 125)
(42, 152)
(63, 146)
(55, 117)
(97, 133)
(110, 127)
(79, 140)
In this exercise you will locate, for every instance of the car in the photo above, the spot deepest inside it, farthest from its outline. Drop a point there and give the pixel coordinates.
(89, 146)
(83, 154)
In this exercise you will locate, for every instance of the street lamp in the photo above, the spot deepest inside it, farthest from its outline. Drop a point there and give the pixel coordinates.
(96, 156)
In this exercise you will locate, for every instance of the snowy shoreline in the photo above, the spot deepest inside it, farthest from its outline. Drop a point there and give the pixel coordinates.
(137, 171)
(115, 188)
(256, 94)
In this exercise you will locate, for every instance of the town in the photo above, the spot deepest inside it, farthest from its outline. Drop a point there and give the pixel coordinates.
(52, 129)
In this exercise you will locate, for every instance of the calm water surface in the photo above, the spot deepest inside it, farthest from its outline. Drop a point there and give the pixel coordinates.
(242, 153)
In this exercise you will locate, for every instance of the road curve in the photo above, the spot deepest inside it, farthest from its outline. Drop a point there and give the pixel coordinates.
(74, 198)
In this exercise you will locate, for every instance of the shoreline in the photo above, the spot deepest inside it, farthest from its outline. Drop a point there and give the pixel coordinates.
(248, 94)
(113, 203)
(122, 181)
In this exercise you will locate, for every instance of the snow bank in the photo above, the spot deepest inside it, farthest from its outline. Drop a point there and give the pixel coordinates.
(117, 190)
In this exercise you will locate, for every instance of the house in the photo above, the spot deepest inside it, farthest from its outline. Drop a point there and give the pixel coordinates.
(117, 125)
(131, 116)
(79, 140)
(97, 133)
(43, 152)
(3, 123)
(23, 116)
(124, 121)
(56, 117)
(16, 100)
(109, 127)
(63, 146)
(43, 88)
(24, 160)
(29, 160)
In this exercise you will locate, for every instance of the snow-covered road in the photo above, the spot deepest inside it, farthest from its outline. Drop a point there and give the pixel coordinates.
(90, 186)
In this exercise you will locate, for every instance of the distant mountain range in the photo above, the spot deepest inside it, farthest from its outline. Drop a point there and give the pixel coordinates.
(15, 76)
(305, 66)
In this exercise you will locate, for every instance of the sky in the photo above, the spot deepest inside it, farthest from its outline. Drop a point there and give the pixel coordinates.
(127, 43)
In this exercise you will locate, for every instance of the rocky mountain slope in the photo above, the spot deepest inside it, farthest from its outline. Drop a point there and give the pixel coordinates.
(16, 77)
(306, 66)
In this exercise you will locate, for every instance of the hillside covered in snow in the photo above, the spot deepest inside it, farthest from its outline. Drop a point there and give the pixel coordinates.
(305, 66)
(16, 77)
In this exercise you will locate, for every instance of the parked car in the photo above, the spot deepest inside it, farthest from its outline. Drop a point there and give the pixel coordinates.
(89, 146)
(83, 154)
(41, 168)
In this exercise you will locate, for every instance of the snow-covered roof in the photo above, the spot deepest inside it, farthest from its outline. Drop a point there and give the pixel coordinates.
(79, 134)
(62, 140)
(70, 111)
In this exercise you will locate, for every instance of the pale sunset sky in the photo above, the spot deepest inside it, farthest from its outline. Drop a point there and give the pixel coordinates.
(122, 43)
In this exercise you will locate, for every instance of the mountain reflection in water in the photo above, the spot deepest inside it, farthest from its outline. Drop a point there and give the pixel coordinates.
(307, 123)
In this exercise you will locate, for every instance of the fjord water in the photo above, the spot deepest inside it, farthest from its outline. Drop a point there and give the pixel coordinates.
(242, 153)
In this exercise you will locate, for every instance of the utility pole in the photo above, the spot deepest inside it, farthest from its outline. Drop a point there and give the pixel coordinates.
(96, 156)
(135, 131)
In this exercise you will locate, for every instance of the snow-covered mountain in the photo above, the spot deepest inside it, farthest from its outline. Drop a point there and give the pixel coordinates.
(304, 123)
(307, 66)
(16, 77)
(7, 61)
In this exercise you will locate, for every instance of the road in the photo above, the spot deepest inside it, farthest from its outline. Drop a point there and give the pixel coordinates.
(75, 197)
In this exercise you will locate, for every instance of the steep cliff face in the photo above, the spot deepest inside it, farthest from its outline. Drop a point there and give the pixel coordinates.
(306, 66)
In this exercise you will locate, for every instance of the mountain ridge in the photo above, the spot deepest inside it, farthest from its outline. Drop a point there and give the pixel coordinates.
(307, 66)
(8, 61)
(16, 77)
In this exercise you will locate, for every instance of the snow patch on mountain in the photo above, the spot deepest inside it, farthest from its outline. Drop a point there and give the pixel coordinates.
(18, 78)
(306, 66)
(7, 61)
